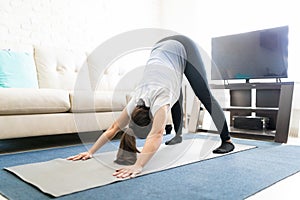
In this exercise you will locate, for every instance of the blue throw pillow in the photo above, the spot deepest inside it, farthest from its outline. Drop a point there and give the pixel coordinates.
(17, 70)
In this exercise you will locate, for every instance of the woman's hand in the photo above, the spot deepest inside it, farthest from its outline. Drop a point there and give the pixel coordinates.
(81, 156)
(128, 171)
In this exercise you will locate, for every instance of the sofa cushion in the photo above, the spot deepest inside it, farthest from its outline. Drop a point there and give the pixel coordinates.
(99, 101)
(58, 68)
(33, 101)
(17, 70)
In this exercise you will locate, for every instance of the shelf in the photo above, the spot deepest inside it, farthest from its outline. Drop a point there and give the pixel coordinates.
(273, 101)
(270, 133)
(264, 134)
(252, 109)
(246, 133)
(266, 85)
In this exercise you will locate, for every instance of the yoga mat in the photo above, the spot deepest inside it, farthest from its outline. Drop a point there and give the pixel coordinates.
(60, 177)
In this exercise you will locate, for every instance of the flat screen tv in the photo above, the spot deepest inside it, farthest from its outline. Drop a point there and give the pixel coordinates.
(259, 54)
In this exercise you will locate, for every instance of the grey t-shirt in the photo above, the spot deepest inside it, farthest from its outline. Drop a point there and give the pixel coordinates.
(162, 77)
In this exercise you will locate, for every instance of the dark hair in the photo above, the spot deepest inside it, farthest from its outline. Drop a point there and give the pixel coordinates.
(141, 122)
(141, 116)
(127, 150)
(139, 126)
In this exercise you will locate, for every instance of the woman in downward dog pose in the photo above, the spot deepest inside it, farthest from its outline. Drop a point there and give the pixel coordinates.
(159, 93)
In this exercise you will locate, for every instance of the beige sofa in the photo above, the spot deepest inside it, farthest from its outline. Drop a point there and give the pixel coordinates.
(65, 100)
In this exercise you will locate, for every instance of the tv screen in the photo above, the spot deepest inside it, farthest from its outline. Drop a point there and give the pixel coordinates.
(258, 54)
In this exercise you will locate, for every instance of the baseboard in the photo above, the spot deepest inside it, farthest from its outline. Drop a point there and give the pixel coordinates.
(295, 123)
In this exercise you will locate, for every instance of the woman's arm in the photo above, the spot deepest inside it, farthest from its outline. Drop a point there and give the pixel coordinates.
(152, 144)
(119, 124)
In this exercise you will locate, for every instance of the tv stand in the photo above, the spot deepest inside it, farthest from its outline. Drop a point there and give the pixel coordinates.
(271, 100)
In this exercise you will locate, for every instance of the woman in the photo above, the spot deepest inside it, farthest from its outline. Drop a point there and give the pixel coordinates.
(157, 94)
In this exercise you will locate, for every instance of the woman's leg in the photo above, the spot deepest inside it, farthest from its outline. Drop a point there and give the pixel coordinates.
(196, 75)
(168, 129)
(200, 87)
(177, 117)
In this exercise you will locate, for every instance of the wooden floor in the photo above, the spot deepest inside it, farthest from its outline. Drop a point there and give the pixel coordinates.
(34, 143)
(45, 142)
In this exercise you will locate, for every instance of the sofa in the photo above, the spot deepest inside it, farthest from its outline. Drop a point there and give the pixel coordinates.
(49, 91)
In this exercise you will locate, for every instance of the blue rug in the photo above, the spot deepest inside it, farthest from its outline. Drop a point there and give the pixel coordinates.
(234, 176)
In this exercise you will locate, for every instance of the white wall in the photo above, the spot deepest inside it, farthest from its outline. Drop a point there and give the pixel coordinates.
(73, 23)
(204, 19)
(86, 23)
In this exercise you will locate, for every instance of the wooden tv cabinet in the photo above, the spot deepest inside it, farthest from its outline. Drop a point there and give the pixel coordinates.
(271, 100)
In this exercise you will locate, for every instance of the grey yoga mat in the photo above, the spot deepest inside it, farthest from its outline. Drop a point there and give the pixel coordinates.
(60, 177)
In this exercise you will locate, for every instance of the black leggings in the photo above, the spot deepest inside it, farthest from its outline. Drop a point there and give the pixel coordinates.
(196, 75)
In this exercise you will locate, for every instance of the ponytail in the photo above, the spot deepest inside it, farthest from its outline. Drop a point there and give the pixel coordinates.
(127, 153)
